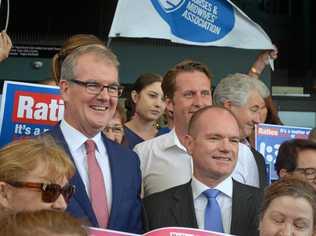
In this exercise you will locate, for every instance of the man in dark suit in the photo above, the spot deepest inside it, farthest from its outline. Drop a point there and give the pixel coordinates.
(244, 97)
(212, 141)
(108, 178)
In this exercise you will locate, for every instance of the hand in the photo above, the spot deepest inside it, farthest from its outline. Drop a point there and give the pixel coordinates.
(5, 45)
(262, 61)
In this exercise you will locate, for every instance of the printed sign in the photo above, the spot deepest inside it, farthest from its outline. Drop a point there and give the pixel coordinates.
(193, 22)
(270, 137)
(28, 110)
(167, 231)
(196, 20)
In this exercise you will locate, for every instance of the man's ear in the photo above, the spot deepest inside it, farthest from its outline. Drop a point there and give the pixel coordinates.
(189, 143)
(283, 172)
(228, 104)
(64, 89)
(5, 195)
(134, 96)
(169, 104)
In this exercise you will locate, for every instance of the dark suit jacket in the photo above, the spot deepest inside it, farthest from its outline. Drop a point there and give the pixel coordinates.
(263, 179)
(126, 185)
(175, 207)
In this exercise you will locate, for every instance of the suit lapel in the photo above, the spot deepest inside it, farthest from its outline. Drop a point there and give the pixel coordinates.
(116, 177)
(80, 195)
(261, 168)
(183, 207)
(239, 204)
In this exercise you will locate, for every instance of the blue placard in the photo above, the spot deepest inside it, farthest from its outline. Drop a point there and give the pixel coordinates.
(270, 137)
(28, 109)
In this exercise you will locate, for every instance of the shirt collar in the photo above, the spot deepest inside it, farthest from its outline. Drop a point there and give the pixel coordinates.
(225, 187)
(75, 139)
(173, 141)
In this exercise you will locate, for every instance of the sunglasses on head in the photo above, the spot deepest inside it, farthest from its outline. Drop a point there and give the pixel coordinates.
(50, 192)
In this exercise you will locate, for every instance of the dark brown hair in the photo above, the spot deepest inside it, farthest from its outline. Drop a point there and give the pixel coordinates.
(169, 80)
(288, 153)
(141, 82)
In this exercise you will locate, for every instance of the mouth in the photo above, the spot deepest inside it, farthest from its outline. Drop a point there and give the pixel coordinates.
(221, 158)
(99, 107)
(155, 112)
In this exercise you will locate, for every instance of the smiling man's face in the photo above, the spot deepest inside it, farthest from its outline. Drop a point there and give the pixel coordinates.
(213, 145)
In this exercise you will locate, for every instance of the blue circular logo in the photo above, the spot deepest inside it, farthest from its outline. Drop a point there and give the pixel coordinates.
(199, 21)
(170, 5)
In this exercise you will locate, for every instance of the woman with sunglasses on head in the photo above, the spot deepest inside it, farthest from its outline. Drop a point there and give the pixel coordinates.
(145, 105)
(34, 175)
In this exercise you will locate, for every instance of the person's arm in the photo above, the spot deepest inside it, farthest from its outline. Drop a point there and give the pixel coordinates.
(5, 45)
(261, 62)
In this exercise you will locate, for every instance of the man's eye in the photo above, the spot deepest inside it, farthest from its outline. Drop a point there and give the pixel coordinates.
(234, 140)
(93, 85)
(113, 88)
(188, 94)
(206, 93)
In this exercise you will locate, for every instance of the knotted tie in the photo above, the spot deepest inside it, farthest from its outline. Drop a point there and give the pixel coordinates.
(213, 216)
(97, 187)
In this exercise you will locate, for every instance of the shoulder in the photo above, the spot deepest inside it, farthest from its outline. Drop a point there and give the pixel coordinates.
(240, 188)
(120, 151)
(157, 142)
(170, 193)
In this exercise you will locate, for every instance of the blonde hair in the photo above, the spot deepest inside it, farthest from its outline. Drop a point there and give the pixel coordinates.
(43, 222)
(21, 157)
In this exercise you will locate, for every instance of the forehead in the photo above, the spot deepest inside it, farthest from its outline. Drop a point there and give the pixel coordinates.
(216, 121)
(307, 158)
(156, 87)
(192, 80)
(292, 206)
(95, 67)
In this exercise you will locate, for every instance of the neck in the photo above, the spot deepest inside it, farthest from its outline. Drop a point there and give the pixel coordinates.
(142, 128)
(181, 133)
(209, 182)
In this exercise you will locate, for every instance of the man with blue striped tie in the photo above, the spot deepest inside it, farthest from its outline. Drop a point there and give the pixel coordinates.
(212, 200)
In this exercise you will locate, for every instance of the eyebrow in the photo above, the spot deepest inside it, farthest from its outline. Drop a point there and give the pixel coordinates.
(152, 91)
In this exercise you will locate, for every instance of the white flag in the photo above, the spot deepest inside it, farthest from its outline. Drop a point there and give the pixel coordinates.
(193, 22)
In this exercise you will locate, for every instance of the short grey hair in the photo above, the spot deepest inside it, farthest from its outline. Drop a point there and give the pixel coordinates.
(99, 51)
(236, 88)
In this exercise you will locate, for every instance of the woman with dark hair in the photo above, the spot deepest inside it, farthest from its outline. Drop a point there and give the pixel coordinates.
(145, 104)
(288, 208)
(297, 157)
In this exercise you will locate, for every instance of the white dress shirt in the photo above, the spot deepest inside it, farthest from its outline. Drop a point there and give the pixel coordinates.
(224, 200)
(164, 162)
(246, 170)
(76, 143)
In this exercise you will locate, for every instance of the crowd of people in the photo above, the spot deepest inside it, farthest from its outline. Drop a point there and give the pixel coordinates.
(112, 166)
